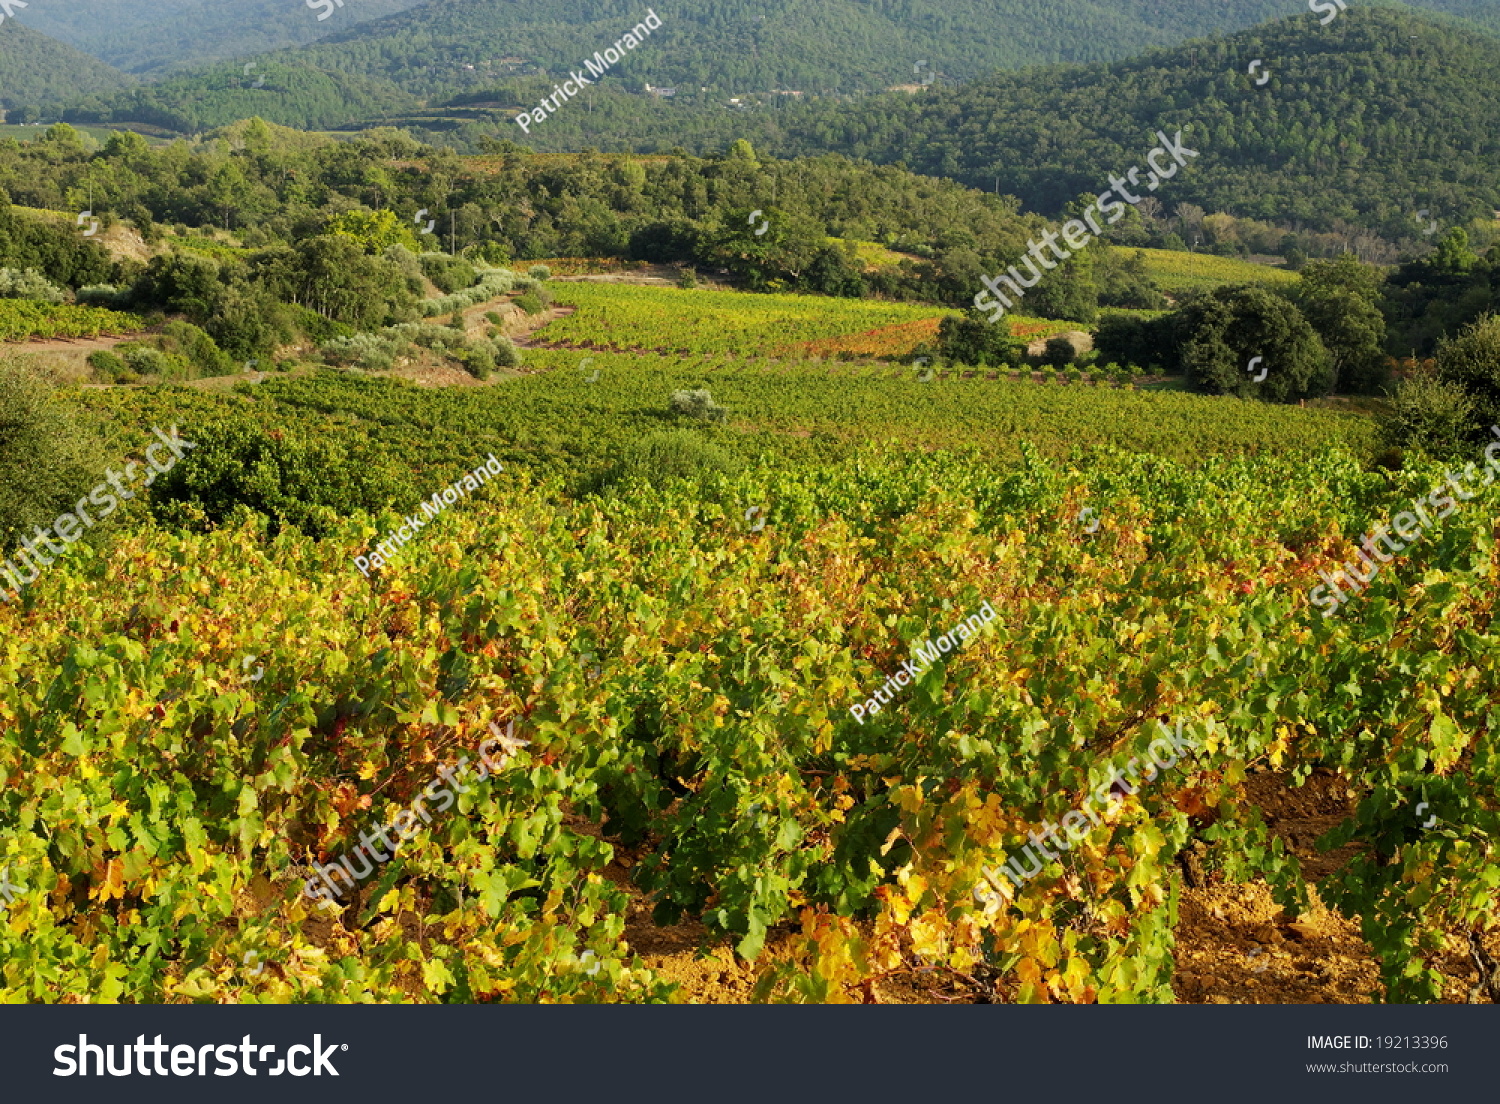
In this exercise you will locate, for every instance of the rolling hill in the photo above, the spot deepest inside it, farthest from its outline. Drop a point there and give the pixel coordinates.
(36, 69)
(443, 49)
(169, 34)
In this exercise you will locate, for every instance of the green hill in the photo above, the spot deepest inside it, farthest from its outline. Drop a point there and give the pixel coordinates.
(35, 69)
(1367, 120)
(166, 34)
(445, 50)
(807, 45)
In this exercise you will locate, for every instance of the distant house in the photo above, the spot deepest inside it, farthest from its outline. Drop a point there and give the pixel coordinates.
(661, 91)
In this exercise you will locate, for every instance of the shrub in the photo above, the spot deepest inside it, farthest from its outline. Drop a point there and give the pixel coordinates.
(506, 353)
(697, 404)
(495, 318)
(1470, 360)
(103, 295)
(477, 358)
(1430, 415)
(368, 352)
(687, 279)
(311, 484)
(493, 282)
(539, 272)
(659, 457)
(29, 284)
(144, 360)
(429, 335)
(203, 356)
(1059, 351)
(107, 366)
(1220, 332)
(530, 303)
(47, 459)
(449, 274)
(966, 338)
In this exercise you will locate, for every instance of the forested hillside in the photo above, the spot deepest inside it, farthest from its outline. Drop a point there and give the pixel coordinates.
(462, 48)
(1362, 122)
(35, 69)
(810, 45)
(167, 34)
(1368, 119)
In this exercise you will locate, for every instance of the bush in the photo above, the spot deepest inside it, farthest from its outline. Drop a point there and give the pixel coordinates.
(47, 460)
(697, 404)
(103, 295)
(203, 356)
(1470, 360)
(477, 358)
(1220, 332)
(1133, 340)
(967, 338)
(539, 272)
(659, 457)
(312, 484)
(429, 335)
(495, 318)
(368, 352)
(144, 360)
(493, 282)
(107, 366)
(506, 353)
(29, 284)
(1060, 351)
(1430, 415)
(687, 279)
(449, 274)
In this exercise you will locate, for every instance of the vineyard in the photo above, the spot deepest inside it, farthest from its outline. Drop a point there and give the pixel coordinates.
(1178, 272)
(561, 421)
(623, 316)
(682, 679)
(23, 320)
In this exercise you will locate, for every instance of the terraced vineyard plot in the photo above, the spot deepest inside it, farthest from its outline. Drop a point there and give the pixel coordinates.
(21, 320)
(1178, 272)
(701, 321)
